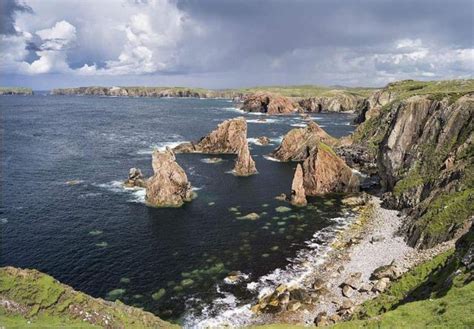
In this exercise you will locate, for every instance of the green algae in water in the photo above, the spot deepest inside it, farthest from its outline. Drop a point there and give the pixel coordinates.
(124, 280)
(115, 294)
(265, 255)
(211, 203)
(329, 202)
(185, 274)
(265, 205)
(290, 237)
(178, 289)
(187, 282)
(280, 223)
(275, 217)
(159, 294)
(263, 213)
(282, 209)
(102, 244)
(233, 209)
(138, 296)
(281, 230)
(95, 232)
(274, 248)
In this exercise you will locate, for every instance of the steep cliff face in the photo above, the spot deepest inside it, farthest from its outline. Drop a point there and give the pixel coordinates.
(169, 185)
(227, 138)
(298, 193)
(269, 103)
(423, 145)
(244, 164)
(298, 143)
(339, 102)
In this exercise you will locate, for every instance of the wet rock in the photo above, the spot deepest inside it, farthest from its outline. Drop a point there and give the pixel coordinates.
(244, 164)
(169, 185)
(324, 172)
(298, 195)
(264, 102)
(281, 197)
(381, 285)
(299, 143)
(263, 140)
(228, 138)
(391, 271)
(347, 291)
(135, 178)
(300, 295)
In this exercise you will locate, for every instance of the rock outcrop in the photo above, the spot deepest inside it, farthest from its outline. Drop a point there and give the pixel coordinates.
(135, 178)
(298, 194)
(270, 103)
(244, 164)
(421, 136)
(228, 138)
(16, 91)
(169, 185)
(339, 102)
(299, 143)
(324, 172)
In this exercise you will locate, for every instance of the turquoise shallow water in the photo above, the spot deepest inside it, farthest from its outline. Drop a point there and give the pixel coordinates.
(101, 239)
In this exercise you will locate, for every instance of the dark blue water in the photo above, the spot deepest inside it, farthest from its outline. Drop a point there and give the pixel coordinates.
(98, 237)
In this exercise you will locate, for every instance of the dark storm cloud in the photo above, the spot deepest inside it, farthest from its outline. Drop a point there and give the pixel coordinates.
(276, 27)
(8, 10)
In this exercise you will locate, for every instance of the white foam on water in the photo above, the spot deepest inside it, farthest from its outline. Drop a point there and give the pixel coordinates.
(212, 160)
(254, 141)
(262, 121)
(225, 312)
(271, 158)
(137, 194)
(160, 146)
(302, 125)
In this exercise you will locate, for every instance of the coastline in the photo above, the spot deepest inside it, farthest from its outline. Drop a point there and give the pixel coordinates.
(367, 243)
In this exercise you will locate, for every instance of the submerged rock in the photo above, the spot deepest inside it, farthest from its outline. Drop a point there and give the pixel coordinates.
(298, 195)
(298, 143)
(227, 138)
(324, 172)
(244, 164)
(265, 102)
(135, 178)
(169, 185)
(263, 140)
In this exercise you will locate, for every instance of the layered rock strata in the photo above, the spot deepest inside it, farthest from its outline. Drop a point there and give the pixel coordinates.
(298, 194)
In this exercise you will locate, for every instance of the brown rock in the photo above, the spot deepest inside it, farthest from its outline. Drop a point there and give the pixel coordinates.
(229, 137)
(324, 172)
(322, 320)
(347, 291)
(365, 287)
(244, 164)
(298, 143)
(269, 103)
(135, 178)
(281, 197)
(381, 285)
(298, 196)
(319, 284)
(263, 140)
(391, 271)
(169, 186)
(293, 306)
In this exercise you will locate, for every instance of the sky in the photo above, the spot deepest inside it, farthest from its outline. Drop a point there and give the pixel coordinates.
(46, 44)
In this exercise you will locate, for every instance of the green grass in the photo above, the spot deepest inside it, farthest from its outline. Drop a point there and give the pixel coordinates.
(308, 90)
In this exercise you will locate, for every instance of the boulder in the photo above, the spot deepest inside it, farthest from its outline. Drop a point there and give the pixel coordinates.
(322, 320)
(324, 172)
(244, 164)
(381, 285)
(169, 185)
(391, 271)
(263, 140)
(135, 178)
(347, 291)
(228, 138)
(298, 143)
(265, 102)
(298, 195)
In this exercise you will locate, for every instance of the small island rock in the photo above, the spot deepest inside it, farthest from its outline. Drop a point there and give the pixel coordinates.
(298, 195)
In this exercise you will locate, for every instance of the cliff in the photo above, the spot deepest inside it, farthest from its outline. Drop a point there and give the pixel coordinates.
(269, 103)
(16, 91)
(420, 134)
(29, 298)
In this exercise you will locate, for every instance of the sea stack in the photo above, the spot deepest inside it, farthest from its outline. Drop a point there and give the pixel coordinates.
(299, 143)
(244, 164)
(325, 172)
(227, 138)
(169, 185)
(135, 178)
(298, 194)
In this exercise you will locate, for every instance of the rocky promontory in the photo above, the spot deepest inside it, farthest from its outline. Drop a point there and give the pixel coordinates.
(169, 185)
(338, 102)
(16, 91)
(31, 299)
(298, 143)
(264, 102)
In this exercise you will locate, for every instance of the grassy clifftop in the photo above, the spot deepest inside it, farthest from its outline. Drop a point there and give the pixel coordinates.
(308, 91)
(29, 297)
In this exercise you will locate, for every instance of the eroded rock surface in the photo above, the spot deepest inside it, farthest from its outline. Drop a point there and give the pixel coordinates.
(135, 178)
(299, 143)
(244, 164)
(270, 103)
(324, 172)
(227, 138)
(169, 185)
(298, 194)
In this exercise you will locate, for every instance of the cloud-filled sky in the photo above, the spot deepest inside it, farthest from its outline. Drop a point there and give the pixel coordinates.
(218, 44)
